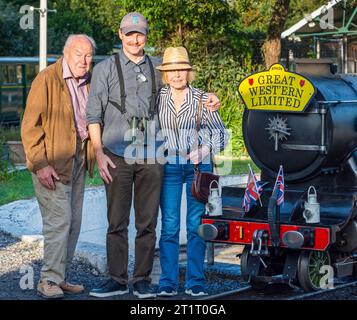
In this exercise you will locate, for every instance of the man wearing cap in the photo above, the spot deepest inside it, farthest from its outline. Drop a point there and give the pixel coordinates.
(122, 101)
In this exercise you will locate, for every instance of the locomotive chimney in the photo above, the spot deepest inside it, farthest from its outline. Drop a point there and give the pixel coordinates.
(315, 67)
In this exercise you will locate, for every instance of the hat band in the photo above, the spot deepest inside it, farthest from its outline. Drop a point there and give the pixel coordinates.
(178, 62)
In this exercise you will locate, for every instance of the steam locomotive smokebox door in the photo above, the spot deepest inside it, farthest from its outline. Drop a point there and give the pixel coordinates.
(306, 124)
(303, 144)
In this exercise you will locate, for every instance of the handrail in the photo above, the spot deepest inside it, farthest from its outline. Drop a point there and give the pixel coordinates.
(336, 101)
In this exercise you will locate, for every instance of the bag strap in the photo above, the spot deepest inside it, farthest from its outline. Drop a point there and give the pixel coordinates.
(121, 107)
(198, 115)
(198, 125)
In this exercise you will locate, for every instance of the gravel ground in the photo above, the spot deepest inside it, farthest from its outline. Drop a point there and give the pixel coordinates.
(349, 293)
(17, 258)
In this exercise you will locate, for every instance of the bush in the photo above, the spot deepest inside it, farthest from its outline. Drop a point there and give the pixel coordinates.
(9, 134)
(5, 164)
(221, 73)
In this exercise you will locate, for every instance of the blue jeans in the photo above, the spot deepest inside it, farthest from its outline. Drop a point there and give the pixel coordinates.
(175, 175)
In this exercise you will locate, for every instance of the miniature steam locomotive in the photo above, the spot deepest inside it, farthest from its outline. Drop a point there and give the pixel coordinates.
(313, 236)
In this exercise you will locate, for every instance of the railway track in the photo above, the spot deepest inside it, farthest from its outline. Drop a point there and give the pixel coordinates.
(228, 293)
(278, 292)
(321, 292)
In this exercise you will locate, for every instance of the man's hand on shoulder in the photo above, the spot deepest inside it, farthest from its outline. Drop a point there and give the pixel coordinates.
(213, 103)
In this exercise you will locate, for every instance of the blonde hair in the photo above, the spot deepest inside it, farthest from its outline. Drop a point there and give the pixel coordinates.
(190, 76)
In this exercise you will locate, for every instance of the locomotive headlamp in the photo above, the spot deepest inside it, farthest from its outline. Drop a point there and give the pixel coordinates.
(293, 239)
(207, 231)
(216, 231)
(312, 207)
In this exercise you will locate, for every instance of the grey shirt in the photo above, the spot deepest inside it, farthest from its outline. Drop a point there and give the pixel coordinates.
(105, 88)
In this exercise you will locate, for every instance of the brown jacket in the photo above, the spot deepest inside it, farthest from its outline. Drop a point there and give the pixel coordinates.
(48, 130)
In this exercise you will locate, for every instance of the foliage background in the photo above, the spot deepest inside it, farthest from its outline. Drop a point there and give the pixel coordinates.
(223, 37)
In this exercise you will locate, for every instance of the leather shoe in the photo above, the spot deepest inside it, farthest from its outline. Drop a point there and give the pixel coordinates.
(49, 290)
(71, 288)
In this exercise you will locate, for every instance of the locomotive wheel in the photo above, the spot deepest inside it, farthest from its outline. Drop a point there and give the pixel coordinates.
(244, 263)
(309, 265)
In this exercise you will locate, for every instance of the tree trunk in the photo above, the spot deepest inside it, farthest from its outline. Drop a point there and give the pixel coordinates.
(272, 45)
(271, 49)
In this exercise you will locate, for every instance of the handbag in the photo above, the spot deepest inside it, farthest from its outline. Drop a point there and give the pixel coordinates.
(201, 180)
(200, 184)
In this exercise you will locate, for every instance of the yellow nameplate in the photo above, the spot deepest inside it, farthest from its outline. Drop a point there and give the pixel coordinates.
(276, 90)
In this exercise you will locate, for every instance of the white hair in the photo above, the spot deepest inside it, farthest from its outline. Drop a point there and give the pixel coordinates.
(72, 38)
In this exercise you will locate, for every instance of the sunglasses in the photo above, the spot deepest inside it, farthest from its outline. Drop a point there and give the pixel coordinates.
(140, 77)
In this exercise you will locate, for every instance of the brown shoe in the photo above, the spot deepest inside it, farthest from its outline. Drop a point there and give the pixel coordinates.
(49, 290)
(71, 288)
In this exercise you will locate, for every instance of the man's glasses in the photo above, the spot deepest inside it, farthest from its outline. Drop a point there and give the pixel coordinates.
(140, 75)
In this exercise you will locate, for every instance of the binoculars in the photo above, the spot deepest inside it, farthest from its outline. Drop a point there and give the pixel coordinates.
(138, 130)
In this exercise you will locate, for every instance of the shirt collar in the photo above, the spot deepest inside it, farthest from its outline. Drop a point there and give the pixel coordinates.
(126, 60)
(186, 104)
(68, 74)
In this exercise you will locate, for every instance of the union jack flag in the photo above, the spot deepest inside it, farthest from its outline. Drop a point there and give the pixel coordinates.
(252, 191)
(279, 183)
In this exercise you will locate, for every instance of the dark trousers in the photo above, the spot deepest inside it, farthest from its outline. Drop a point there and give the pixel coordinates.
(147, 180)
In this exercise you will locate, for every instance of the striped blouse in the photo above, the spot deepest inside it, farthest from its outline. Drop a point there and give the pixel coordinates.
(179, 130)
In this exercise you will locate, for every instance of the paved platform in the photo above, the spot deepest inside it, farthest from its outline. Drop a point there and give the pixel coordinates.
(22, 219)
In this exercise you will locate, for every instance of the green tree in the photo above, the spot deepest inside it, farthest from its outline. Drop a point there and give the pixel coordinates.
(199, 25)
(272, 17)
(272, 45)
(14, 40)
(93, 17)
(224, 37)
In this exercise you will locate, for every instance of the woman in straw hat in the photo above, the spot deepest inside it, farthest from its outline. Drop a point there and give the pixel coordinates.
(180, 107)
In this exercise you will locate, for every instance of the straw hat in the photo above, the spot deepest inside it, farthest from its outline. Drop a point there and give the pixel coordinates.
(175, 58)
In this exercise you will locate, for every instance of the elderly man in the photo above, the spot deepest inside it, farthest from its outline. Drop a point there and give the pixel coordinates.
(122, 99)
(56, 144)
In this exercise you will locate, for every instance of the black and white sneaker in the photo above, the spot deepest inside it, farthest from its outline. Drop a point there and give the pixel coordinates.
(109, 289)
(196, 291)
(143, 290)
(167, 292)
